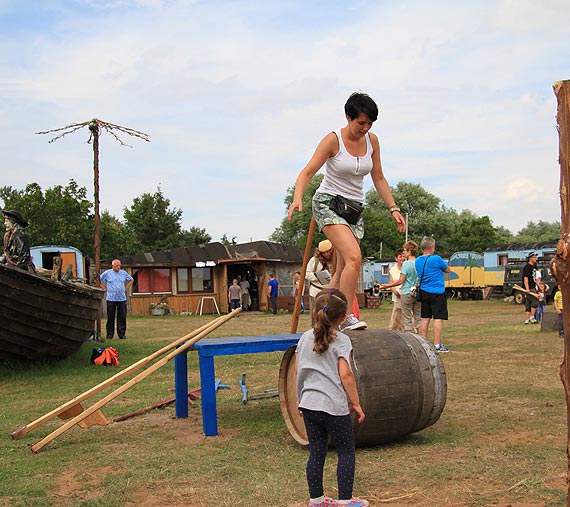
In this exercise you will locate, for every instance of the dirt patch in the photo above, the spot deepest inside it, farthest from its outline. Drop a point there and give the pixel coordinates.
(187, 431)
(557, 482)
(72, 486)
(519, 438)
(144, 498)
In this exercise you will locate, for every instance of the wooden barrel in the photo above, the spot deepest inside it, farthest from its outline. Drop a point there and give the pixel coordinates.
(549, 322)
(401, 383)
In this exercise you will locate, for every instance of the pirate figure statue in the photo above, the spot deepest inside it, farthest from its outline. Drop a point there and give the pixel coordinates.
(16, 242)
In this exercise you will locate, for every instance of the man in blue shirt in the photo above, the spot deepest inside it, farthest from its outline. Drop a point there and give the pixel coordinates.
(273, 288)
(116, 282)
(430, 268)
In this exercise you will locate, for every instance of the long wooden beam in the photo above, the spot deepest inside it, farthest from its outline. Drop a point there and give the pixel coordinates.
(73, 407)
(135, 380)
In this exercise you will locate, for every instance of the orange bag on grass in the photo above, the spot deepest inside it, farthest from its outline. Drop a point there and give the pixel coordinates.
(105, 356)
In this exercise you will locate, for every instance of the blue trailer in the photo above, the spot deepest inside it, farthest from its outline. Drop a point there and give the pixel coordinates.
(43, 258)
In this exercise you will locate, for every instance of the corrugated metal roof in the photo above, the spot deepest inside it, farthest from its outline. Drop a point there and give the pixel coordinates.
(183, 256)
(522, 246)
(217, 252)
(269, 251)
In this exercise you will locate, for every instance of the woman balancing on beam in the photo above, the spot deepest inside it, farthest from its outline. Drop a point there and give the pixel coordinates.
(349, 153)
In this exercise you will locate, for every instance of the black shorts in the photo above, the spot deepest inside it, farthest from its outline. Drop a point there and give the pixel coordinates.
(434, 306)
(530, 302)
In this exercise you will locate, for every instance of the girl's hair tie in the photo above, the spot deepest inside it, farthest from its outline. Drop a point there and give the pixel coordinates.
(326, 308)
(330, 291)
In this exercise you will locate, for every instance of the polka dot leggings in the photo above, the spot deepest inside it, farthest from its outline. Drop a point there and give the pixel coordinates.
(320, 426)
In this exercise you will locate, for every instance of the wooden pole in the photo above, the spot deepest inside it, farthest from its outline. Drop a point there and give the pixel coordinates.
(306, 257)
(561, 261)
(94, 128)
(73, 406)
(192, 395)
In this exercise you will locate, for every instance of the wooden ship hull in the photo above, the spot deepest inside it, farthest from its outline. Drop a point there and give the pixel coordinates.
(41, 318)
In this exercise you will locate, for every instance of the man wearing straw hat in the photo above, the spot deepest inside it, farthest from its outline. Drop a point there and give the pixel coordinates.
(16, 242)
(318, 271)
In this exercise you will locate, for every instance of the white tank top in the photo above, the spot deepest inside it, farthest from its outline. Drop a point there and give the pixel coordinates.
(344, 173)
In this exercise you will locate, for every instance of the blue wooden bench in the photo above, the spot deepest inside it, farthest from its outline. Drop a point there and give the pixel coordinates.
(208, 349)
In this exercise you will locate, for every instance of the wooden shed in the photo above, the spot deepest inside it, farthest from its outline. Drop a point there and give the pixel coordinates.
(182, 277)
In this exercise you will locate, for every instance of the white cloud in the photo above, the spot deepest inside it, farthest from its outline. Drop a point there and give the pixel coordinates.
(235, 96)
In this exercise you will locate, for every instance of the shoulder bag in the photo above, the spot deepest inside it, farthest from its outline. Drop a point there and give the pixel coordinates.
(419, 283)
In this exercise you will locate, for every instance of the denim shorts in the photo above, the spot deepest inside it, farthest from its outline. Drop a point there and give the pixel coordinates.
(324, 215)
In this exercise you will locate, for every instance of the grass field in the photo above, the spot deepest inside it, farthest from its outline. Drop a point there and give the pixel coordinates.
(499, 442)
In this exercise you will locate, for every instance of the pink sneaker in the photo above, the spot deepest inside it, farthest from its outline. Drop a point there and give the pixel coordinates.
(355, 502)
(327, 502)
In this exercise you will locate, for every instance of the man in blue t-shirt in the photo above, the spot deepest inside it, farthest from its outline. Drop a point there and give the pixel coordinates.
(273, 288)
(116, 282)
(430, 268)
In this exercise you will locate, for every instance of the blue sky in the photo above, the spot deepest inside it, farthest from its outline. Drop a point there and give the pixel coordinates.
(235, 96)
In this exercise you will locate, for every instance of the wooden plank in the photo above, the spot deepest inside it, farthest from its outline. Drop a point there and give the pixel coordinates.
(141, 376)
(117, 377)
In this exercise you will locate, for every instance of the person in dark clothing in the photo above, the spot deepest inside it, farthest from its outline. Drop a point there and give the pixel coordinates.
(529, 283)
(273, 288)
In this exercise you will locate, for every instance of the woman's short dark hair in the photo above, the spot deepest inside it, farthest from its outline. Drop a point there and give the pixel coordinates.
(359, 103)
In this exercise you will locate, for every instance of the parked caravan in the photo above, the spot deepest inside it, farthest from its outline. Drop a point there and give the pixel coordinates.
(375, 271)
(466, 280)
(43, 258)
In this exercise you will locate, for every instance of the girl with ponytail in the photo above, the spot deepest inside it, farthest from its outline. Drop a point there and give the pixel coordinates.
(327, 397)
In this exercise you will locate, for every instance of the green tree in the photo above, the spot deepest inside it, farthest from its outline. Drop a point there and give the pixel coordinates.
(224, 240)
(116, 239)
(381, 238)
(295, 232)
(504, 236)
(474, 233)
(64, 216)
(538, 232)
(426, 214)
(58, 216)
(194, 236)
(154, 224)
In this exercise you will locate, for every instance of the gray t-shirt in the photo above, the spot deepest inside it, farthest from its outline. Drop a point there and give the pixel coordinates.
(235, 291)
(318, 382)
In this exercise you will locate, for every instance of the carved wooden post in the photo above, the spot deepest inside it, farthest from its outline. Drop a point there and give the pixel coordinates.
(94, 128)
(561, 262)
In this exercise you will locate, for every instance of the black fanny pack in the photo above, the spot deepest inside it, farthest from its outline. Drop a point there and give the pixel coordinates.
(346, 208)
